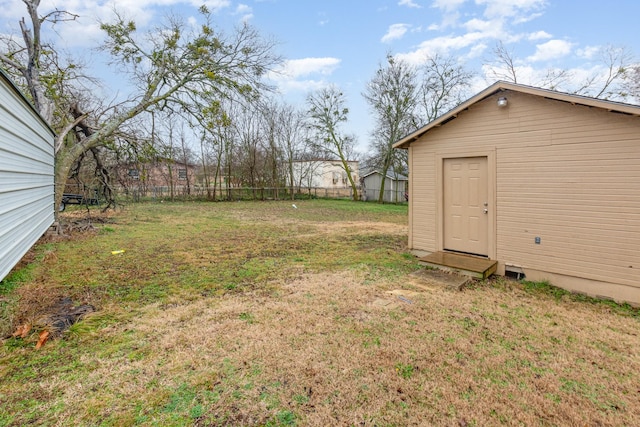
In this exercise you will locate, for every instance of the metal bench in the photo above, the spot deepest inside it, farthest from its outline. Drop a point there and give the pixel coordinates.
(76, 199)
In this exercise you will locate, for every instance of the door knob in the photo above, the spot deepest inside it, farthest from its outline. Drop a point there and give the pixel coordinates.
(485, 210)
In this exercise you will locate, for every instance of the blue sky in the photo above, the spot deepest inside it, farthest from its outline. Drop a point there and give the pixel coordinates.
(342, 42)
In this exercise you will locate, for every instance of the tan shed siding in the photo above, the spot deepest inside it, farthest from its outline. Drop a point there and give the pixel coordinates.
(581, 195)
(422, 199)
(583, 201)
(569, 174)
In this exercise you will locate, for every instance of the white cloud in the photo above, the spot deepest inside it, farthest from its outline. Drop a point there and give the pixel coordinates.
(474, 25)
(245, 11)
(450, 13)
(192, 21)
(448, 5)
(443, 45)
(322, 19)
(525, 18)
(13, 11)
(85, 30)
(552, 49)
(479, 25)
(588, 52)
(303, 67)
(409, 3)
(395, 32)
(304, 86)
(302, 74)
(497, 14)
(526, 74)
(510, 8)
(477, 50)
(213, 5)
(539, 35)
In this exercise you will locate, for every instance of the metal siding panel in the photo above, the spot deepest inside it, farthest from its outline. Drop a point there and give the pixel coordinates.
(16, 181)
(26, 177)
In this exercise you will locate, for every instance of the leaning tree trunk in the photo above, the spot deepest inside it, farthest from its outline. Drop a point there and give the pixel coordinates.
(63, 164)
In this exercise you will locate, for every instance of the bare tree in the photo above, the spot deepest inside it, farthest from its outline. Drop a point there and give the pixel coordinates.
(186, 158)
(445, 84)
(392, 95)
(174, 65)
(292, 139)
(28, 59)
(247, 126)
(270, 128)
(167, 151)
(606, 81)
(502, 66)
(631, 82)
(217, 134)
(610, 82)
(327, 112)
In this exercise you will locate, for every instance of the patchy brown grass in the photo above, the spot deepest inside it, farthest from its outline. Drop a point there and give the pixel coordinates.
(329, 344)
(329, 352)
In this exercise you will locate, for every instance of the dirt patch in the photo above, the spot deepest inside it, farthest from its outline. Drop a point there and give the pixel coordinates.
(78, 224)
(353, 227)
(58, 319)
(426, 279)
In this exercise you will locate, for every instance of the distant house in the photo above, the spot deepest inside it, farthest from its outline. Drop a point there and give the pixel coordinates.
(545, 183)
(158, 176)
(395, 186)
(26, 175)
(325, 174)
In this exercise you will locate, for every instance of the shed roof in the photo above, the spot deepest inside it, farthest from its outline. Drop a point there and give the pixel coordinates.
(390, 175)
(501, 86)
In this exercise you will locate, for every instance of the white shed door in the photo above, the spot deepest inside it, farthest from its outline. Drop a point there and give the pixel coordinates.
(466, 219)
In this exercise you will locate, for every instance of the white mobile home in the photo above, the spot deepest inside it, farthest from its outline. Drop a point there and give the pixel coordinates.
(322, 173)
(26, 175)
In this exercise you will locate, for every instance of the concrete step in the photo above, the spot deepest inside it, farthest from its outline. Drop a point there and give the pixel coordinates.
(467, 265)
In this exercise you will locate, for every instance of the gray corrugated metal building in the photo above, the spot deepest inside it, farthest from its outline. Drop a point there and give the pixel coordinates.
(26, 175)
(395, 186)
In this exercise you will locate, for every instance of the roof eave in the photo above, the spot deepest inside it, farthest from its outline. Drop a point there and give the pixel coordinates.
(499, 86)
(453, 113)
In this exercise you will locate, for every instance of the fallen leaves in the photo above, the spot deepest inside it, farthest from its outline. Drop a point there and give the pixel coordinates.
(44, 336)
(22, 331)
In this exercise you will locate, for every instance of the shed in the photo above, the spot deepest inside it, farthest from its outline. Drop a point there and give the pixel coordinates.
(26, 175)
(395, 186)
(545, 183)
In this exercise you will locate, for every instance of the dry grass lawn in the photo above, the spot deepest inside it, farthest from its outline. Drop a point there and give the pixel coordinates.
(336, 333)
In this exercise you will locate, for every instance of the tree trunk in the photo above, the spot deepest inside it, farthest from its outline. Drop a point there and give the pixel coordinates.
(382, 182)
(354, 187)
(63, 164)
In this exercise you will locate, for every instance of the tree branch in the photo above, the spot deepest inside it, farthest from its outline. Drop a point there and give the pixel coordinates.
(62, 135)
